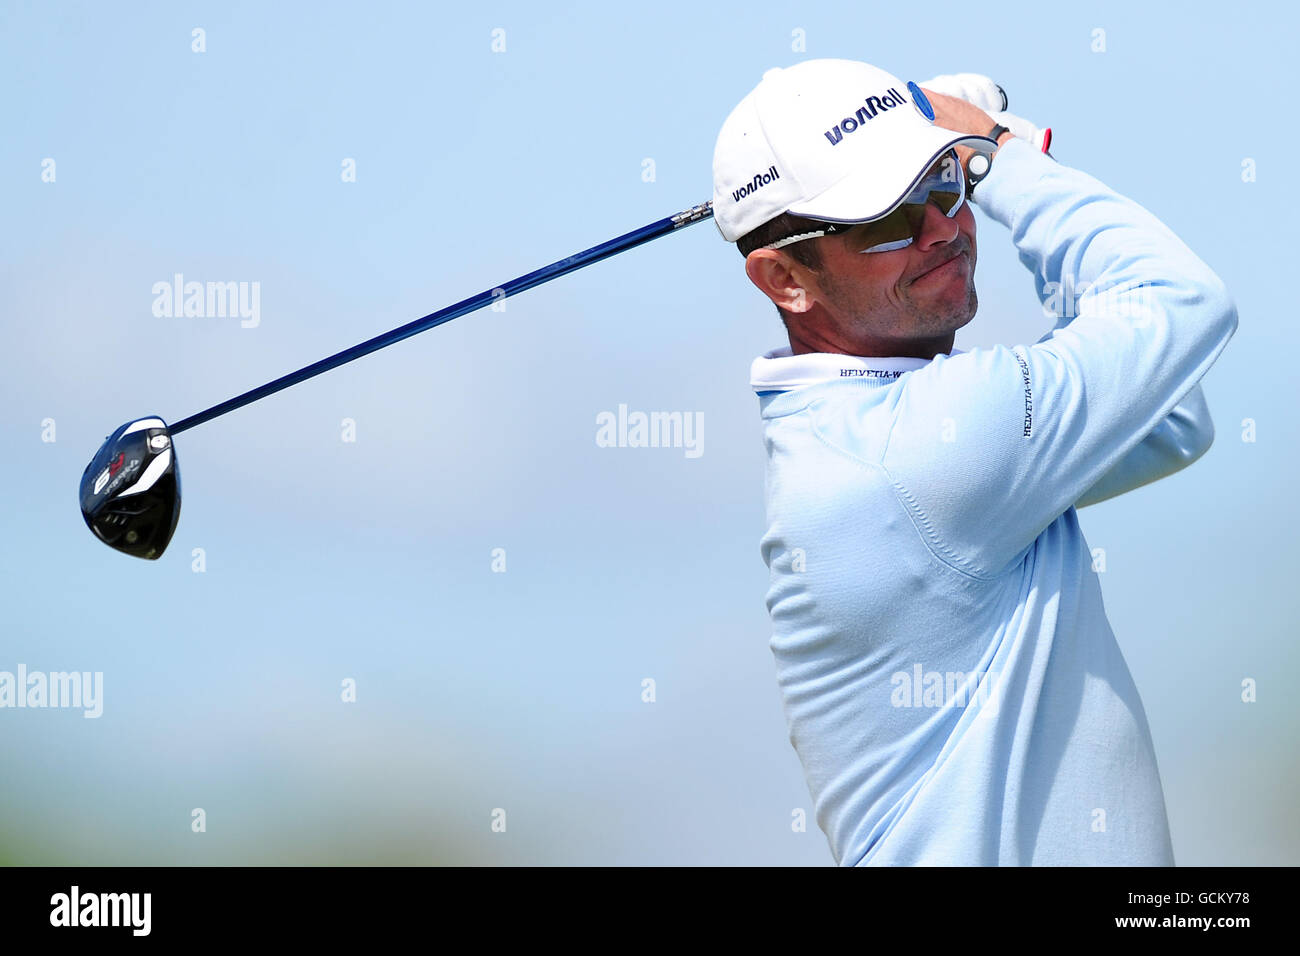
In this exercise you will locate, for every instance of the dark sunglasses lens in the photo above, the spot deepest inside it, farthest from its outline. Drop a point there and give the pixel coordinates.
(895, 227)
(945, 199)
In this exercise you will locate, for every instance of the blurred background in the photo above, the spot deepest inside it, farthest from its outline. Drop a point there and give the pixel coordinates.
(484, 142)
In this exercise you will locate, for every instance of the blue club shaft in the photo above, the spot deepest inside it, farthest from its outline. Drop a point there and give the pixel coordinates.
(545, 274)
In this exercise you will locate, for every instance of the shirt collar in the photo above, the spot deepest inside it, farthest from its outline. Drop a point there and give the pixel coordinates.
(779, 370)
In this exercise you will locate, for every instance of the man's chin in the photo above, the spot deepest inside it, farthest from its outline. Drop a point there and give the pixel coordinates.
(949, 316)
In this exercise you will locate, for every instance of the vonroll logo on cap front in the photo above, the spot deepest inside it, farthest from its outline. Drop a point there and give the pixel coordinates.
(826, 139)
(875, 106)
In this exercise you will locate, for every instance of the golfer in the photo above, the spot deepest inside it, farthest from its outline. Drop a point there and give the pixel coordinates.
(951, 684)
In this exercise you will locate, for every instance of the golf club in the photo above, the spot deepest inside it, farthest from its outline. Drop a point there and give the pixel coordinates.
(131, 490)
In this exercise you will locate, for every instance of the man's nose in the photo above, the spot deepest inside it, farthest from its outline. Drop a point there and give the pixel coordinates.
(936, 227)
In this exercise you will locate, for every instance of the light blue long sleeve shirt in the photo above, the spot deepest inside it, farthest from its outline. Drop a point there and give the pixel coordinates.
(951, 684)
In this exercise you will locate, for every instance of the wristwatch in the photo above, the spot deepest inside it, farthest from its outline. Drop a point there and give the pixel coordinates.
(978, 166)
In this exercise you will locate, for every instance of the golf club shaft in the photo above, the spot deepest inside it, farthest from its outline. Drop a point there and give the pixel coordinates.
(545, 274)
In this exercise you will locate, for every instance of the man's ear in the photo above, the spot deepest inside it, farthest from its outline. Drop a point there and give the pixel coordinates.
(787, 283)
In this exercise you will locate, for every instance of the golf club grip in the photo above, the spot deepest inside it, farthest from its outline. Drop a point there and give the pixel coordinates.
(545, 274)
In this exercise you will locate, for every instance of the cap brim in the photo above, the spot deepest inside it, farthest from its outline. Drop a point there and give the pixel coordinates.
(875, 192)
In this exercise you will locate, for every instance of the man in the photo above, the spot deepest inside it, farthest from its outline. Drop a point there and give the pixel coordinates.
(951, 684)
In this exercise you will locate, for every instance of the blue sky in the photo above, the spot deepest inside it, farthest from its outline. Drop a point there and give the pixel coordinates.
(371, 560)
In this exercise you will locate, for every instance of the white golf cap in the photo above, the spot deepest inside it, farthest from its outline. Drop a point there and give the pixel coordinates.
(834, 140)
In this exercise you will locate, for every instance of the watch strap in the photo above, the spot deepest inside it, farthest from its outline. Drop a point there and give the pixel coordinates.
(979, 165)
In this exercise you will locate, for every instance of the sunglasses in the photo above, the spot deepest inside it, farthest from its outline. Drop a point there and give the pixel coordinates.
(944, 185)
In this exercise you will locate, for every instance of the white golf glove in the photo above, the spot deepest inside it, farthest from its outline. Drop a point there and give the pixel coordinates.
(992, 99)
(1024, 129)
(973, 88)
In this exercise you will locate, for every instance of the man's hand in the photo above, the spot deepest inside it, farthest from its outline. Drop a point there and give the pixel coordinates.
(961, 117)
(991, 98)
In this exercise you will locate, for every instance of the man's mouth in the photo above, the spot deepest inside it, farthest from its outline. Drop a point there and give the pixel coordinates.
(943, 268)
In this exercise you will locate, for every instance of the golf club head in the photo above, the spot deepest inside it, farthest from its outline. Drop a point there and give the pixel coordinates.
(131, 490)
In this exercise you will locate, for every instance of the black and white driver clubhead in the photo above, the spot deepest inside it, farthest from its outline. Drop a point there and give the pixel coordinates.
(131, 490)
